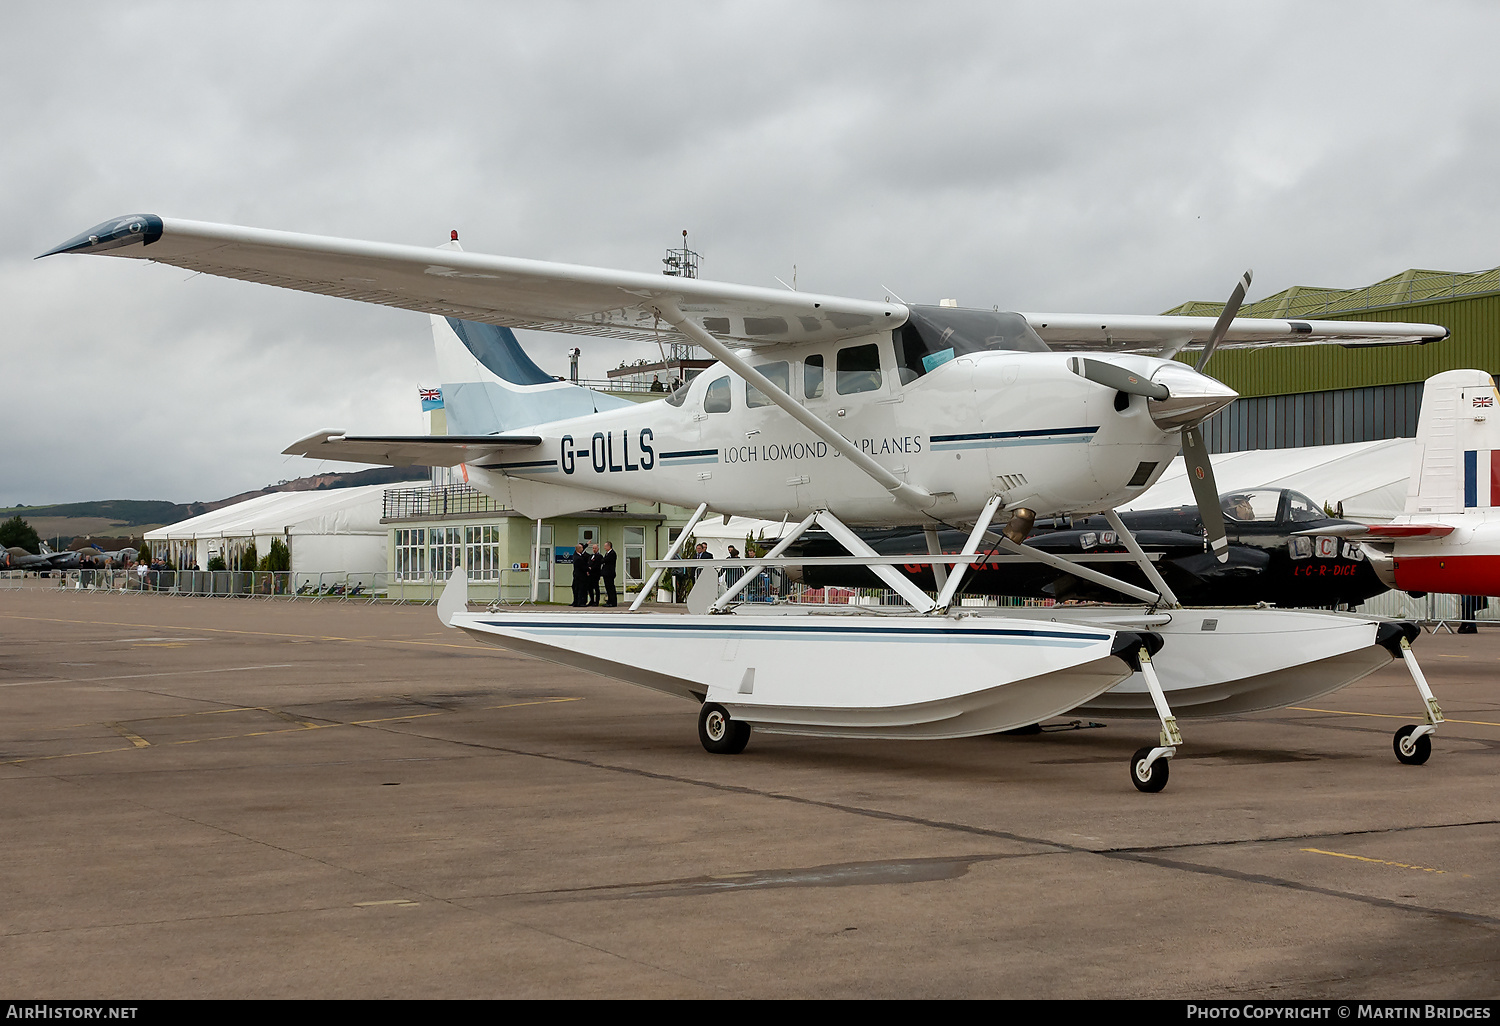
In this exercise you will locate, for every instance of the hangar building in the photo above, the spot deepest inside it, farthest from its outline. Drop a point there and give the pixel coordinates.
(1325, 395)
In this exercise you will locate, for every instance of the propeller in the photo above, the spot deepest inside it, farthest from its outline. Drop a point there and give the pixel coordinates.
(1121, 380)
(1195, 453)
(1221, 327)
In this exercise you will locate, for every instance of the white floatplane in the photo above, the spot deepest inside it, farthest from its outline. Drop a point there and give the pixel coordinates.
(830, 411)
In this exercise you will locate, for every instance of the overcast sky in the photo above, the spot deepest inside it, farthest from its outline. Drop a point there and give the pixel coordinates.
(1112, 157)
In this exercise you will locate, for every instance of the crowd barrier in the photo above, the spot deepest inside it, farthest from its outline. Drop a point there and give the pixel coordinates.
(513, 587)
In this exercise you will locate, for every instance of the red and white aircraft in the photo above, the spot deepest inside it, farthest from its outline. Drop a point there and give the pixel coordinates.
(1448, 538)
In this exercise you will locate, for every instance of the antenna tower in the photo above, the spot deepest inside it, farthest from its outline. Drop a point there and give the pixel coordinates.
(681, 263)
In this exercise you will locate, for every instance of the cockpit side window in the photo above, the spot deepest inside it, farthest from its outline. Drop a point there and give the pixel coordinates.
(858, 370)
(812, 377)
(779, 374)
(716, 399)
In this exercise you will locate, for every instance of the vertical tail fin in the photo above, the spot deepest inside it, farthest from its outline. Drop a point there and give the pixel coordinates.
(1456, 465)
(490, 385)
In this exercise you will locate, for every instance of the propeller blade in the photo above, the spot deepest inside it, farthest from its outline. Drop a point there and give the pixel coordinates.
(1205, 491)
(1111, 376)
(1221, 327)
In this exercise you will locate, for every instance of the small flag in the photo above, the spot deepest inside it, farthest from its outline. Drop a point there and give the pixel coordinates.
(1484, 400)
(432, 398)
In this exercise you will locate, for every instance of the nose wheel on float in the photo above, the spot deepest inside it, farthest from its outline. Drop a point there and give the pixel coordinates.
(1413, 743)
(1149, 767)
(719, 734)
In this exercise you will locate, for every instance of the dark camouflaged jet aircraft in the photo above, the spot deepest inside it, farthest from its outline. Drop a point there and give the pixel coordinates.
(1269, 560)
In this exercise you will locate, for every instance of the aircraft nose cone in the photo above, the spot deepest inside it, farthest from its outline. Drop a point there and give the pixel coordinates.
(1193, 397)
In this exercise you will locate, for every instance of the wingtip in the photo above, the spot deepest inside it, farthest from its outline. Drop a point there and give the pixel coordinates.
(117, 232)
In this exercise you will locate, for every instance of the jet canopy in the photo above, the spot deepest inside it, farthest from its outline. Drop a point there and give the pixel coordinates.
(1264, 505)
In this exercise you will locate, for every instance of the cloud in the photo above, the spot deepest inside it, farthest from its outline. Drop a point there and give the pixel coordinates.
(1083, 156)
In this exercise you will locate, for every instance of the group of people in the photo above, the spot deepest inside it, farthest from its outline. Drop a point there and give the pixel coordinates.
(591, 568)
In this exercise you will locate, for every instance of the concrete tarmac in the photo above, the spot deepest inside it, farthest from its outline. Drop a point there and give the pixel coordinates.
(221, 798)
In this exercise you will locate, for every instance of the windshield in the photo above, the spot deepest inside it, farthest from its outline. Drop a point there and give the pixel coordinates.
(933, 335)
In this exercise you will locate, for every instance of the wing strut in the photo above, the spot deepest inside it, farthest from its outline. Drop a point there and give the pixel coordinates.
(910, 495)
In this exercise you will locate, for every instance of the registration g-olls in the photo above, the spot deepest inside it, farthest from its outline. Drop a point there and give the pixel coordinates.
(833, 412)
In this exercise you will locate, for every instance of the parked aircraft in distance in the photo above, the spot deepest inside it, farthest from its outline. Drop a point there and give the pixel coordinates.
(1269, 558)
(1448, 537)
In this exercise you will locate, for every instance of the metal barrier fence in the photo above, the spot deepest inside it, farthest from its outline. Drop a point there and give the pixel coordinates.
(514, 588)
(339, 585)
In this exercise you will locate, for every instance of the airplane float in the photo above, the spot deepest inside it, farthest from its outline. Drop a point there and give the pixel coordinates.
(833, 412)
(1448, 537)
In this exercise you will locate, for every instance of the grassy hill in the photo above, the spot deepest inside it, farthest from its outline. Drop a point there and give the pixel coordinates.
(132, 518)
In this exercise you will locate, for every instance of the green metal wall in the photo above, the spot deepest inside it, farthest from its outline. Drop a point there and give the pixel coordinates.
(1475, 342)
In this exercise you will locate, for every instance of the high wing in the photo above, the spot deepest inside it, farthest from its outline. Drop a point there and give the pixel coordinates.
(1137, 334)
(407, 450)
(518, 293)
(507, 291)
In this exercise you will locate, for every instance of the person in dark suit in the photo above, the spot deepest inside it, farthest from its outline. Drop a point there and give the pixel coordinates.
(596, 571)
(580, 575)
(610, 560)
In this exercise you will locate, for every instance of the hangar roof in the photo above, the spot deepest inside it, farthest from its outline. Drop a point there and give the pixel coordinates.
(1411, 286)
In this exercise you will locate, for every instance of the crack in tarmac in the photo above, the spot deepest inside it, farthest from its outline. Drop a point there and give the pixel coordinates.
(1138, 855)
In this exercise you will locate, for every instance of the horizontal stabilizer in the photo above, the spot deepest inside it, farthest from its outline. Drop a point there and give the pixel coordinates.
(1375, 532)
(407, 450)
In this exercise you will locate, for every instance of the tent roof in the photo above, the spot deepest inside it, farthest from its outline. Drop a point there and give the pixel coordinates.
(333, 510)
(1369, 478)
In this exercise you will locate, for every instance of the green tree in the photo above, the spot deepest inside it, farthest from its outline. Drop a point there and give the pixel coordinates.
(247, 557)
(16, 531)
(278, 560)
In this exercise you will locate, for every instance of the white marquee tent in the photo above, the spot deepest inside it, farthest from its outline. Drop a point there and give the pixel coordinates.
(1369, 478)
(336, 529)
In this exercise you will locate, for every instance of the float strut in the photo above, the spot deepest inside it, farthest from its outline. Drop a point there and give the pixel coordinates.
(687, 530)
(1434, 714)
(1171, 737)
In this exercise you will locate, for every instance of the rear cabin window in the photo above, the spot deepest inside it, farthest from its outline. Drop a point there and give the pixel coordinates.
(812, 378)
(716, 399)
(858, 370)
(780, 375)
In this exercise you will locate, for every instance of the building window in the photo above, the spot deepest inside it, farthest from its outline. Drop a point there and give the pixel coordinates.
(635, 555)
(482, 552)
(411, 553)
(445, 548)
